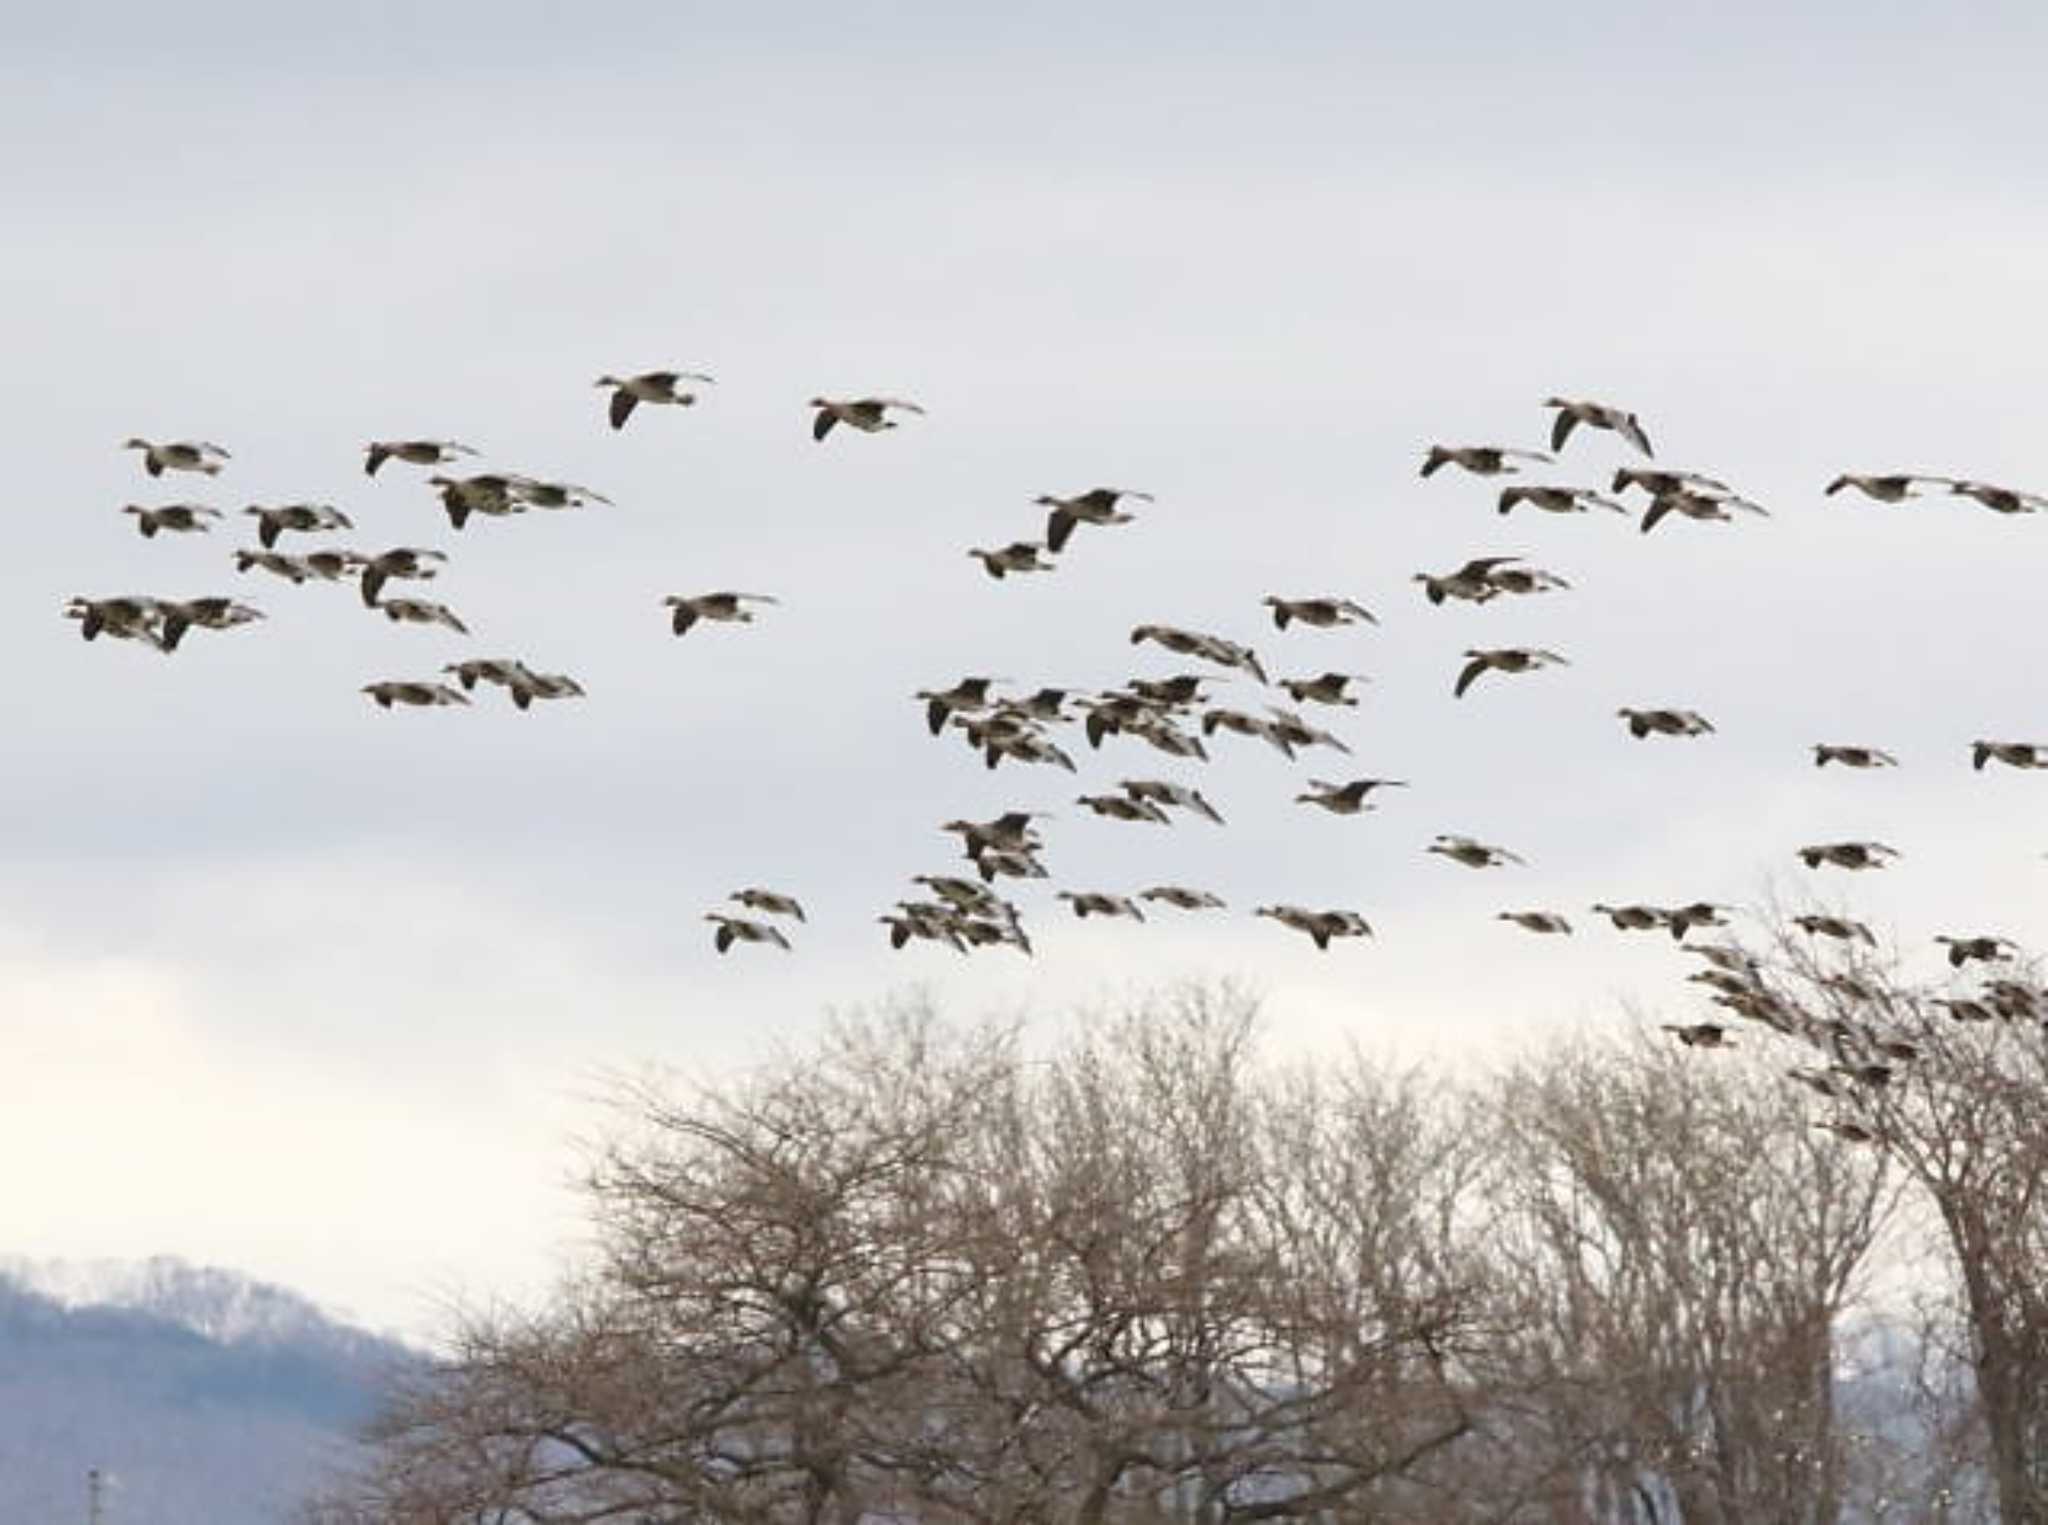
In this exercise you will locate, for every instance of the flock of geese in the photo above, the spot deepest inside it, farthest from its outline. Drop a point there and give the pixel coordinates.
(1170, 715)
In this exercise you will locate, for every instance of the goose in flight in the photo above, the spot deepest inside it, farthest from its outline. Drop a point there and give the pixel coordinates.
(1504, 659)
(1841, 928)
(927, 923)
(326, 566)
(1643, 723)
(628, 392)
(1210, 648)
(2014, 754)
(1989, 950)
(1536, 921)
(128, 617)
(713, 606)
(1349, 798)
(528, 685)
(768, 902)
(488, 492)
(414, 452)
(1321, 613)
(738, 929)
(1634, 917)
(1854, 855)
(968, 696)
(1017, 556)
(179, 455)
(539, 494)
(407, 691)
(1159, 791)
(1124, 807)
(400, 561)
(1325, 688)
(1471, 853)
(2000, 500)
(1222, 719)
(1480, 460)
(1852, 757)
(1473, 582)
(498, 670)
(1098, 505)
(301, 518)
(420, 611)
(870, 415)
(1594, 415)
(1658, 482)
(1320, 926)
(1088, 903)
(1520, 580)
(213, 613)
(1892, 487)
(1297, 732)
(179, 518)
(1558, 500)
(1699, 1034)
(1692, 505)
(1182, 898)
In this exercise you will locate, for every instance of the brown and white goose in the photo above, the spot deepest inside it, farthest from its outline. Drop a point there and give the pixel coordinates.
(1321, 613)
(300, 518)
(870, 415)
(1181, 898)
(2014, 754)
(1160, 791)
(1473, 582)
(1852, 757)
(1124, 807)
(1480, 460)
(492, 493)
(1320, 926)
(1840, 928)
(1852, 855)
(2000, 500)
(1536, 921)
(1324, 688)
(1699, 1034)
(1693, 505)
(1594, 415)
(768, 902)
(539, 494)
(1348, 798)
(211, 613)
(1472, 853)
(729, 607)
(414, 452)
(738, 929)
(1193, 643)
(420, 611)
(1662, 722)
(179, 455)
(967, 697)
(1017, 556)
(528, 685)
(1503, 659)
(1890, 487)
(1558, 500)
(177, 518)
(392, 691)
(1088, 903)
(407, 561)
(1098, 505)
(628, 392)
(1982, 949)
(126, 617)
(505, 673)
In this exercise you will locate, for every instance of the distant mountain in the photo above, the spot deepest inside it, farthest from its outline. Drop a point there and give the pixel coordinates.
(209, 1398)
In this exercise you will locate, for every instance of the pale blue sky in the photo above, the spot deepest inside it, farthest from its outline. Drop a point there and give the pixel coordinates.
(289, 983)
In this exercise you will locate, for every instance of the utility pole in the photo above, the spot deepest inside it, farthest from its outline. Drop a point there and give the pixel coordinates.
(95, 1498)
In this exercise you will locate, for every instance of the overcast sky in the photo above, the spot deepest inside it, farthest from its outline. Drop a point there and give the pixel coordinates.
(296, 985)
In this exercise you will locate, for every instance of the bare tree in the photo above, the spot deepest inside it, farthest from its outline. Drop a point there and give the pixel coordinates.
(1680, 1246)
(1949, 1082)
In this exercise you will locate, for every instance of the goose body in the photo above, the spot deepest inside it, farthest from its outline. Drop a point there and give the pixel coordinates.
(738, 929)
(414, 452)
(1480, 460)
(1503, 659)
(1891, 487)
(769, 902)
(302, 518)
(1321, 613)
(1210, 648)
(1841, 928)
(496, 670)
(1159, 791)
(528, 686)
(1348, 798)
(1988, 950)
(1471, 853)
(1472, 583)
(1851, 855)
(1098, 505)
(1699, 1034)
(2000, 500)
(420, 611)
(659, 387)
(1017, 556)
(1088, 903)
(1319, 926)
(1642, 723)
(125, 617)
(418, 694)
(2014, 754)
(405, 561)
(1536, 921)
(1594, 415)
(491, 493)
(211, 613)
(1693, 505)
(1123, 807)
(1183, 899)
(177, 518)
(179, 455)
(1557, 500)
(729, 607)
(1852, 757)
(870, 415)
